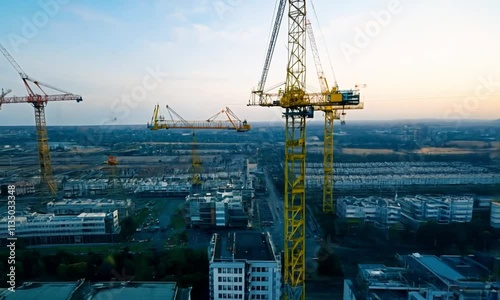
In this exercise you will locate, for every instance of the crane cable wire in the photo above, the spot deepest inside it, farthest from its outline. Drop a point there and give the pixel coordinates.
(325, 45)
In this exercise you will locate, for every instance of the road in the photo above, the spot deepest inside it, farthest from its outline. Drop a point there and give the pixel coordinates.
(276, 204)
(316, 288)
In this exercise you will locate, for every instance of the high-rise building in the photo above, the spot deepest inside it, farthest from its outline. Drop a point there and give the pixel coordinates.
(244, 265)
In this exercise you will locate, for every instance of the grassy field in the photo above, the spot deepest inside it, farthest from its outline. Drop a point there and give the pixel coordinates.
(438, 150)
(468, 144)
(360, 151)
(177, 220)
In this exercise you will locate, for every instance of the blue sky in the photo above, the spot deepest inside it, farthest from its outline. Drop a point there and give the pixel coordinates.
(419, 59)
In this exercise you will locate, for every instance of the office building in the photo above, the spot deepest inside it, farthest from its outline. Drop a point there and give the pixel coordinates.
(37, 228)
(125, 208)
(244, 265)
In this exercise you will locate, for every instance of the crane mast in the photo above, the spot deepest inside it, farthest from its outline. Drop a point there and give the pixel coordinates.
(297, 106)
(331, 114)
(297, 110)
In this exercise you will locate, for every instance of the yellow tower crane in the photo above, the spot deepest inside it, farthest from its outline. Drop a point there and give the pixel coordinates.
(39, 101)
(331, 114)
(232, 122)
(297, 107)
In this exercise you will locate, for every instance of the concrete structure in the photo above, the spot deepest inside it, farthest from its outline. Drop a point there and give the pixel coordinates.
(97, 291)
(37, 228)
(244, 265)
(125, 208)
(22, 188)
(495, 214)
(219, 209)
(382, 212)
(441, 209)
(424, 277)
(42, 290)
(373, 175)
(133, 290)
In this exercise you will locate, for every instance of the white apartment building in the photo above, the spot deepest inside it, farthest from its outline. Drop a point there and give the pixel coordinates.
(495, 214)
(125, 208)
(49, 229)
(382, 212)
(218, 209)
(244, 265)
(442, 209)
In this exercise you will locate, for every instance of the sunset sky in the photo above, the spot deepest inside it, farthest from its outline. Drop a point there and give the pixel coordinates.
(419, 59)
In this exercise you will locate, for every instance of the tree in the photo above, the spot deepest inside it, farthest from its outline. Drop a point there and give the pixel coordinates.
(128, 227)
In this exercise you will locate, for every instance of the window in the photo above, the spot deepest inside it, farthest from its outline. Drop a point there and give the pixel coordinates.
(219, 279)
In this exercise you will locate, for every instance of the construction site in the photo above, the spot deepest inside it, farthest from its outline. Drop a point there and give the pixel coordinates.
(290, 221)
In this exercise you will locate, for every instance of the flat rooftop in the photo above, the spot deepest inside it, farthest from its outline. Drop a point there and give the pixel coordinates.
(247, 245)
(134, 290)
(41, 291)
(438, 267)
(252, 246)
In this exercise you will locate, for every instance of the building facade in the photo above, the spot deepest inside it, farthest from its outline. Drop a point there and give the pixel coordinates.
(244, 265)
(495, 214)
(441, 209)
(125, 208)
(381, 212)
(425, 277)
(218, 209)
(37, 228)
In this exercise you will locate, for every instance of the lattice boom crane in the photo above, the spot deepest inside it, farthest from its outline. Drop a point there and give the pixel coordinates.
(231, 123)
(39, 101)
(331, 114)
(177, 122)
(298, 105)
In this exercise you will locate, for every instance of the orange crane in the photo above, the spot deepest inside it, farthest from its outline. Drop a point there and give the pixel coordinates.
(115, 187)
(39, 100)
(232, 122)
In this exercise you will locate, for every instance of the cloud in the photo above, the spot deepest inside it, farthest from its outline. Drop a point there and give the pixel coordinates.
(90, 15)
